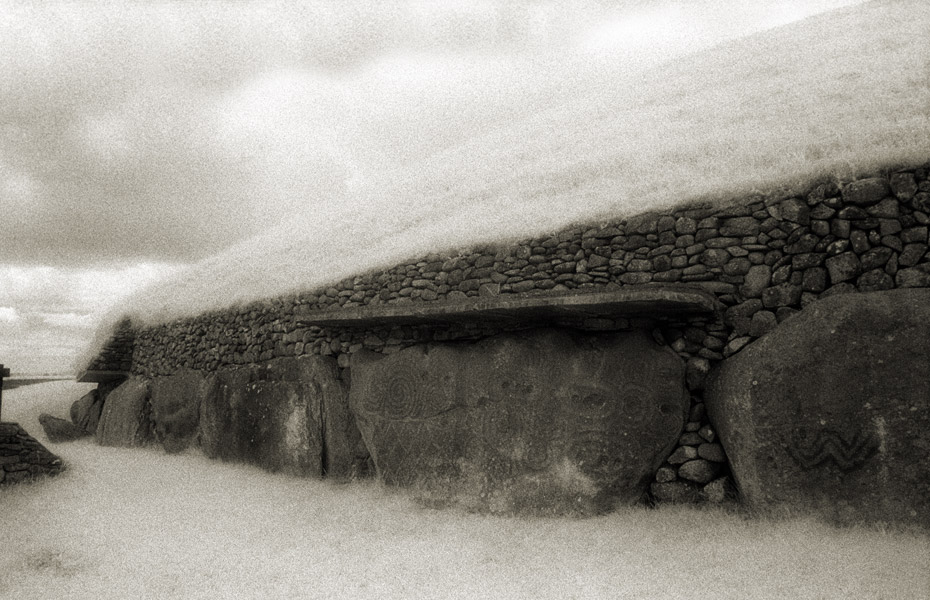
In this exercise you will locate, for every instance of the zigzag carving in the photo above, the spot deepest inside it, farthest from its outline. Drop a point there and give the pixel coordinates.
(846, 452)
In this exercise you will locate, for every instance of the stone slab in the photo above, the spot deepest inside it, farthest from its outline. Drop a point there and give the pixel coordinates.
(272, 415)
(90, 376)
(543, 421)
(60, 430)
(125, 418)
(85, 411)
(632, 301)
(830, 412)
(176, 407)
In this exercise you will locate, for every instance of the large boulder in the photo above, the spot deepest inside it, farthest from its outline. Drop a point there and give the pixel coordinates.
(274, 416)
(830, 412)
(125, 419)
(547, 421)
(176, 407)
(85, 411)
(60, 430)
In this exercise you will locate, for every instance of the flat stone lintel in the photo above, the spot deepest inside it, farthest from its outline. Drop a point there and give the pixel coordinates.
(101, 376)
(633, 301)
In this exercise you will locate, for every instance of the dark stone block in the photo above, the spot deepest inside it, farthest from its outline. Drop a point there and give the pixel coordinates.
(534, 422)
(85, 412)
(176, 407)
(60, 430)
(272, 416)
(866, 192)
(125, 418)
(843, 267)
(784, 294)
(845, 382)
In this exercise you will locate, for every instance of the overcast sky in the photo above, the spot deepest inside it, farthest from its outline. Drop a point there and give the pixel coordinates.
(136, 138)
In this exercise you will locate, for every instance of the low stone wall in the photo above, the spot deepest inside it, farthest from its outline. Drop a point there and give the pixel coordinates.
(23, 458)
(764, 258)
(116, 355)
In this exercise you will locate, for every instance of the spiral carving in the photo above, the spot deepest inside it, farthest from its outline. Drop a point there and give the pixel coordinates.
(407, 397)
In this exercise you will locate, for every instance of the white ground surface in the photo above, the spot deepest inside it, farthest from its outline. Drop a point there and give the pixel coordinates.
(136, 523)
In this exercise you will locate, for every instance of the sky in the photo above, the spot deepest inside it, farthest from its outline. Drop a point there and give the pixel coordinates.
(137, 139)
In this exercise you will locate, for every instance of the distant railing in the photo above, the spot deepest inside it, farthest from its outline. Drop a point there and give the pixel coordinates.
(3, 373)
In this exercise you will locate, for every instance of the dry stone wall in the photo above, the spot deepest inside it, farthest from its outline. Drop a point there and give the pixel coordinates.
(116, 355)
(764, 258)
(22, 458)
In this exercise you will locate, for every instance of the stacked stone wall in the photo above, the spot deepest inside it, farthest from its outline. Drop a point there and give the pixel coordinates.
(22, 458)
(116, 355)
(764, 258)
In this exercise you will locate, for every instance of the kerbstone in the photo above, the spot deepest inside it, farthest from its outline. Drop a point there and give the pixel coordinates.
(545, 421)
(85, 412)
(125, 418)
(176, 407)
(60, 430)
(274, 416)
(828, 413)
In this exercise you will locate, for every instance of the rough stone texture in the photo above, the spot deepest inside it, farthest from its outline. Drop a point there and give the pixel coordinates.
(85, 411)
(544, 421)
(699, 470)
(866, 191)
(829, 412)
(125, 419)
(115, 356)
(176, 407)
(780, 269)
(22, 458)
(60, 430)
(675, 492)
(717, 491)
(272, 416)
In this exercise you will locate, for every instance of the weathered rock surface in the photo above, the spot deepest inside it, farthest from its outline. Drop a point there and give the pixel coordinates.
(85, 412)
(275, 415)
(125, 419)
(60, 430)
(176, 407)
(830, 412)
(537, 422)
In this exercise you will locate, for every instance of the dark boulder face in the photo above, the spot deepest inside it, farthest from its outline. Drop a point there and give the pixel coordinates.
(540, 422)
(176, 407)
(85, 412)
(272, 415)
(125, 419)
(60, 430)
(830, 413)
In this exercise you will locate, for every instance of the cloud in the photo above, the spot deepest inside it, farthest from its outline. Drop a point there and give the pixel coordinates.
(47, 314)
(8, 315)
(167, 132)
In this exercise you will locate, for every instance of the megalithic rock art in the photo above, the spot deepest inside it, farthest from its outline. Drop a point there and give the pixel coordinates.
(830, 412)
(545, 421)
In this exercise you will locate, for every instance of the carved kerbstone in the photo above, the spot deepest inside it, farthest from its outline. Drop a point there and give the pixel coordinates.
(830, 412)
(537, 422)
(274, 416)
(124, 420)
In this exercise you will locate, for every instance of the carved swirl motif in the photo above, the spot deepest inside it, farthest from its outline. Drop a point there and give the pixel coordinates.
(407, 397)
(847, 451)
